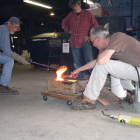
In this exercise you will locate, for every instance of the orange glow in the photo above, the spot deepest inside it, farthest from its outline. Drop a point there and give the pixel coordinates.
(59, 73)
(72, 80)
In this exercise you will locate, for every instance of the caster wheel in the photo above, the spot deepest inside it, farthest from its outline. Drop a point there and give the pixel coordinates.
(69, 102)
(45, 98)
(48, 69)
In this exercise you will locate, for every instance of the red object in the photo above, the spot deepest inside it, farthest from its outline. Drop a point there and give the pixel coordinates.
(105, 13)
(60, 62)
(0, 65)
(79, 26)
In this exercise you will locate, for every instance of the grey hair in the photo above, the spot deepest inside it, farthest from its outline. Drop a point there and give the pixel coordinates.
(99, 31)
(74, 2)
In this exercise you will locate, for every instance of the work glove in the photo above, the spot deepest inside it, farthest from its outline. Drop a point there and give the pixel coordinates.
(20, 59)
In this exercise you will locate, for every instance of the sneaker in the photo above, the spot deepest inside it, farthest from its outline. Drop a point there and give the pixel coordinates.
(4, 90)
(84, 106)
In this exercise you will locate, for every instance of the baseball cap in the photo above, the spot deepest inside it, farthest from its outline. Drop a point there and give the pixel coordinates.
(15, 20)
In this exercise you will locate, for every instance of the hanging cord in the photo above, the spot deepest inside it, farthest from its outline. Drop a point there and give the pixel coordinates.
(138, 75)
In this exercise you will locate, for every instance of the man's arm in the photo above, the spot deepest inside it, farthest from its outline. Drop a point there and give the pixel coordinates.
(89, 65)
(92, 20)
(5, 44)
(66, 24)
(105, 56)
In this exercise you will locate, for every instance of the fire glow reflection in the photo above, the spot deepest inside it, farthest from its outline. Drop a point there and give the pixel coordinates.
(72, 80)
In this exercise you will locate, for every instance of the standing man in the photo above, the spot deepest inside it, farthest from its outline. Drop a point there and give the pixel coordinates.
(78, 23)
(7, 56)
(120, 46)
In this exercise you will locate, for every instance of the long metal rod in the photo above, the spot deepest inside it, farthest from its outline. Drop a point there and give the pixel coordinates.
(43, 65)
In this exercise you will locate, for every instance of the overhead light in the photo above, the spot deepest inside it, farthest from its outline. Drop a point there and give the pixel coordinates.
(52, 14)
(42, 23)
(88, 2)
(38, 4)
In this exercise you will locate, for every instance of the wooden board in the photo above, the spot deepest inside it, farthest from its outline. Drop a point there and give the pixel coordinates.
(106, 97)
(63, 95)
(63, 86)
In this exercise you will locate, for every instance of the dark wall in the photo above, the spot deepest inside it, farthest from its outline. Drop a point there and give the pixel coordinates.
(122, 8)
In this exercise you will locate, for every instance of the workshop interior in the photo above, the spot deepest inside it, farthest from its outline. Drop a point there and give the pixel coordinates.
(44, 42)
(42, 33)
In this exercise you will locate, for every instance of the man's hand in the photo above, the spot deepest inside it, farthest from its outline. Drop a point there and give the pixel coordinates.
(89, 65)
(20, 59)
(74, 74)
(87, 38)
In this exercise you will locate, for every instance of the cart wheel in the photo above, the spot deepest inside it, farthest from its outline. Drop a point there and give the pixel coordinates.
(69, 102)
(45, 98)
(48, 69)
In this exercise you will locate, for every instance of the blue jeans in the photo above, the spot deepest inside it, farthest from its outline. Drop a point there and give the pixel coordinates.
(88, 55)
(8, 63)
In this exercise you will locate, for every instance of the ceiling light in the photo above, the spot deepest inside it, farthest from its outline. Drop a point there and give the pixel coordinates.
(52, 14)
(38, 4)
(88, 2)
(42, 23)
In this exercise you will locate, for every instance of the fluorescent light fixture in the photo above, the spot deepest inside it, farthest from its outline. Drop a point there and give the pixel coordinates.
(88, 2)
(52, 14)
(38, 4)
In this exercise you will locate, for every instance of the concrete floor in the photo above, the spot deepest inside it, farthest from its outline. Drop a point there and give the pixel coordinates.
(28, 117)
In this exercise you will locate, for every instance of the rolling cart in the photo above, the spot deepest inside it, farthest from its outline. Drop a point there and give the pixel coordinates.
(67, 96)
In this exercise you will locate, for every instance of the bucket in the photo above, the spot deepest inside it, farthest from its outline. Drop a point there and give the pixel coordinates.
(117, 88)
(115, 81)
(137, 98)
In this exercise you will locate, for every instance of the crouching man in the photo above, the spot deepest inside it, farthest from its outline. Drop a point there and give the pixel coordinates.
(7, 56)
(119, 46)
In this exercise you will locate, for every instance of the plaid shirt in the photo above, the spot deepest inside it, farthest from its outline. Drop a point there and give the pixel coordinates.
(79, 26)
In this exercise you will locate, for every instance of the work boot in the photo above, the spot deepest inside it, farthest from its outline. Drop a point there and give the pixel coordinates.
(5, 90)
(86, 105)
(130, 99)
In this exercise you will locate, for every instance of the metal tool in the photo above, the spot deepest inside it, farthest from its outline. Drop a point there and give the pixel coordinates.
(55, 68)
(111, 116)
(43, 65)
(125, 119)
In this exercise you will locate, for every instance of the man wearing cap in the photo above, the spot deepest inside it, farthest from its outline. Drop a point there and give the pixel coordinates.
(7, 56)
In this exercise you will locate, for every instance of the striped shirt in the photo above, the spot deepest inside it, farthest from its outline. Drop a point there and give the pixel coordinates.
(79, 26)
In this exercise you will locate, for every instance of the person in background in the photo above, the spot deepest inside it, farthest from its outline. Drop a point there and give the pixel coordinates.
(78, 23)
(7, 56)
(125, 49)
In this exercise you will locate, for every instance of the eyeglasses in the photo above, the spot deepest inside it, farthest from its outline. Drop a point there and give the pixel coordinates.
(94, 40)
(15, 27)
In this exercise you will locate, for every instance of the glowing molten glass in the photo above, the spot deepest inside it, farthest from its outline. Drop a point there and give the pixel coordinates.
(72, 80)
(59, 72)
